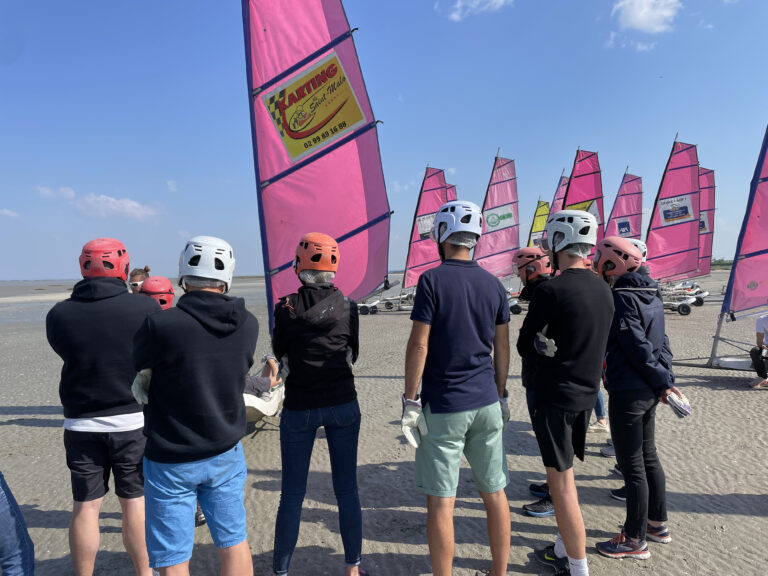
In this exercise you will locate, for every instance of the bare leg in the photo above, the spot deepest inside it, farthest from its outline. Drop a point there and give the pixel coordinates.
(236, 560)
(497, 510)
(562, 487)
(177, 570)
(84, 535)
(440, 534)
(133, 534)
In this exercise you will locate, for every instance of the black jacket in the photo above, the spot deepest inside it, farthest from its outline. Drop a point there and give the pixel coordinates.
(526, 294)
(92, 332)
(316, 329)
(638, 353)
(199, 353)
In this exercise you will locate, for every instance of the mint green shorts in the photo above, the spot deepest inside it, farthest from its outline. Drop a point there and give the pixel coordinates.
(475, 433)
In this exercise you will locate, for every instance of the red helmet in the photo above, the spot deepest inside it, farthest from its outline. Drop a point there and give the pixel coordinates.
(104, 257)
(159, 288)
(316, 251)
(532, 262)
(615, 256)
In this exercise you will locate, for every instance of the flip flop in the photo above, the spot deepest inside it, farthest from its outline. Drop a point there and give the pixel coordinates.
(762, 385)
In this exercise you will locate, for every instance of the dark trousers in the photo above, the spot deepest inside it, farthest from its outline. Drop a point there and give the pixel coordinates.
(632, 416)
(527, 376)
(758, 361)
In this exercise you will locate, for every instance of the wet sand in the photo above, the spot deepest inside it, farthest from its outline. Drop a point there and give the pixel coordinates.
(715, 462)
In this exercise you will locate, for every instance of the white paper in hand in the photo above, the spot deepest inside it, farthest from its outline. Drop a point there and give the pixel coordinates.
(545, 346)
(680, 406)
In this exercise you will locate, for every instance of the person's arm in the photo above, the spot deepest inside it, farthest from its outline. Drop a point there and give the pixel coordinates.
(354, 330)
(415, 358)
(501, 357)
(279, 345)
(538, 316)
(759, 339)
(143, 348)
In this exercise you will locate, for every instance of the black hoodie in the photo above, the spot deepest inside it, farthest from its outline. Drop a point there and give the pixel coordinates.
(199, 353)
(316, 328)
(92, 332)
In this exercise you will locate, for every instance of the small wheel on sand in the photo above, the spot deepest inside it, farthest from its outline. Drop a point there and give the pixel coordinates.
(683, 309)
(516, 309)
(374, 310)
(363, 309)
(699, 301)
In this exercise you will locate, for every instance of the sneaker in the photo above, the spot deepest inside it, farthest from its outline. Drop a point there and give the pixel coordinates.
(616, 470)
(564, 571)
(547, 557)
(543, 507)
(658, 534)
(597, 427)
(199, 516)
(539, 490)
(609, 441)
(619, 494)
(608, 451)
(622, 547)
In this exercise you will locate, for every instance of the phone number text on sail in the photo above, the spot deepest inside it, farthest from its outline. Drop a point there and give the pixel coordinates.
(314, 108)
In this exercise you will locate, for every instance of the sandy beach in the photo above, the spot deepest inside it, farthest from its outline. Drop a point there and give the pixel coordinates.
(715, 462)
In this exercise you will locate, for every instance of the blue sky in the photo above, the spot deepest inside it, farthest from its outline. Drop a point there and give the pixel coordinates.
(131, 119)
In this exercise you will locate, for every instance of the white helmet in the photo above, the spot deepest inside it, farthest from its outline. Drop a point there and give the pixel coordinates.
(207, 257)
(569, 227)
(458, 216)
(640, 245)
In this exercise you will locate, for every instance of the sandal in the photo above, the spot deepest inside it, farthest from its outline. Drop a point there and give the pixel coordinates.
(762, 385)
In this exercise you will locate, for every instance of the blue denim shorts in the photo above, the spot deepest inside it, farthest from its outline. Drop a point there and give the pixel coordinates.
(171, 491)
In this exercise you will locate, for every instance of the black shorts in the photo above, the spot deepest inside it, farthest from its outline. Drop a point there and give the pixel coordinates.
(91, 456)
(561, 435)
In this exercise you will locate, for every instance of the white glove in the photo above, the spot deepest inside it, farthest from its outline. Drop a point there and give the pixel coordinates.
(413, 424)
(140, 386)
(544, 346)
(504, 403)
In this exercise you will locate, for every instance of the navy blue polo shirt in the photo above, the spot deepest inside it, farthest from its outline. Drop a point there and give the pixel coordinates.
(463, 304)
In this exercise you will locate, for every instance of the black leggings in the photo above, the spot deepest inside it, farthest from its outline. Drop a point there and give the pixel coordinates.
(632, 415)
(758, 361)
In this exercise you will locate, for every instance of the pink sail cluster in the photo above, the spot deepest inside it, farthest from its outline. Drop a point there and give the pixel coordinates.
(496, 248)
(748, 284)
(626, 217)
(673, 233)
(422, 251)
(585, 188)
(316, 150)
(706, 219)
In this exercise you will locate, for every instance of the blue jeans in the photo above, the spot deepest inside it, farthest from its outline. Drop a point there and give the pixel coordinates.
(17, 553)
(600, 405)
(297, 437)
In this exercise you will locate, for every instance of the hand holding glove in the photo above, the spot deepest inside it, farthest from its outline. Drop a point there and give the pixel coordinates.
(140, 386)
(504, 403)
(545, 346)
(413, 424)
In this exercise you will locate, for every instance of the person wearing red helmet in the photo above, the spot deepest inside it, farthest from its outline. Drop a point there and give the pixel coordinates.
(160, 289)
(316, 334)
(92, 332)
(638, 375)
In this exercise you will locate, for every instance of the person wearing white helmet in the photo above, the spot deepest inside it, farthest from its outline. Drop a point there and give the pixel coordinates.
(460, 317)
(565, 331)
(192, 362)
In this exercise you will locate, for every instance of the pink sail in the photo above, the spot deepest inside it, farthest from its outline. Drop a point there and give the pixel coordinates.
(557, 201)
(500, 240)
(706, 219)
(626, 217)
(673, 233)
(748, 283)
(585, 188)
(316, 150)
(422, 251)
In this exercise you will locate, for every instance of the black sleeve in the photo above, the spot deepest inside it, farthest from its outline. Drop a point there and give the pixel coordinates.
(143, 347)
(279, 344)
(354, 330)
(49, 329)
(539, 310)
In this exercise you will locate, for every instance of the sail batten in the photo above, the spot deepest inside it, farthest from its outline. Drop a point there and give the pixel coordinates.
(501, 238)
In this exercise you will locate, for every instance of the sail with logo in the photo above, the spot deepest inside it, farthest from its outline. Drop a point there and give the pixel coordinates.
(626, 217)
(496, 248)
(747, 291)
(562, 186)
(673, 232)
(316, 149)
(706, 224)
(422, 251)
(539, 223)
(585, 188)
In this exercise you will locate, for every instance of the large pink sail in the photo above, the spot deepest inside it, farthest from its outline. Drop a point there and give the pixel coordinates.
(557, 201)
(626, 217)
(748, 283)
(316, 150)
(706, 219)
(422, 251)
(585, 188)
(500, 240)
(673, 233)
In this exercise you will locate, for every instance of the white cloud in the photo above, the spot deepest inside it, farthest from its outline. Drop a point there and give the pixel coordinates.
(645, 47)
(64, 193)
(9, 214)
(649, 16)
(706, 25)
(101, 206)
(451, 171)
(611, 40)
(171, 185)
(397, 187)
(463, 8)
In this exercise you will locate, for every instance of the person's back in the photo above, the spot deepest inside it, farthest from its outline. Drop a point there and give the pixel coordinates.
(463, 303)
